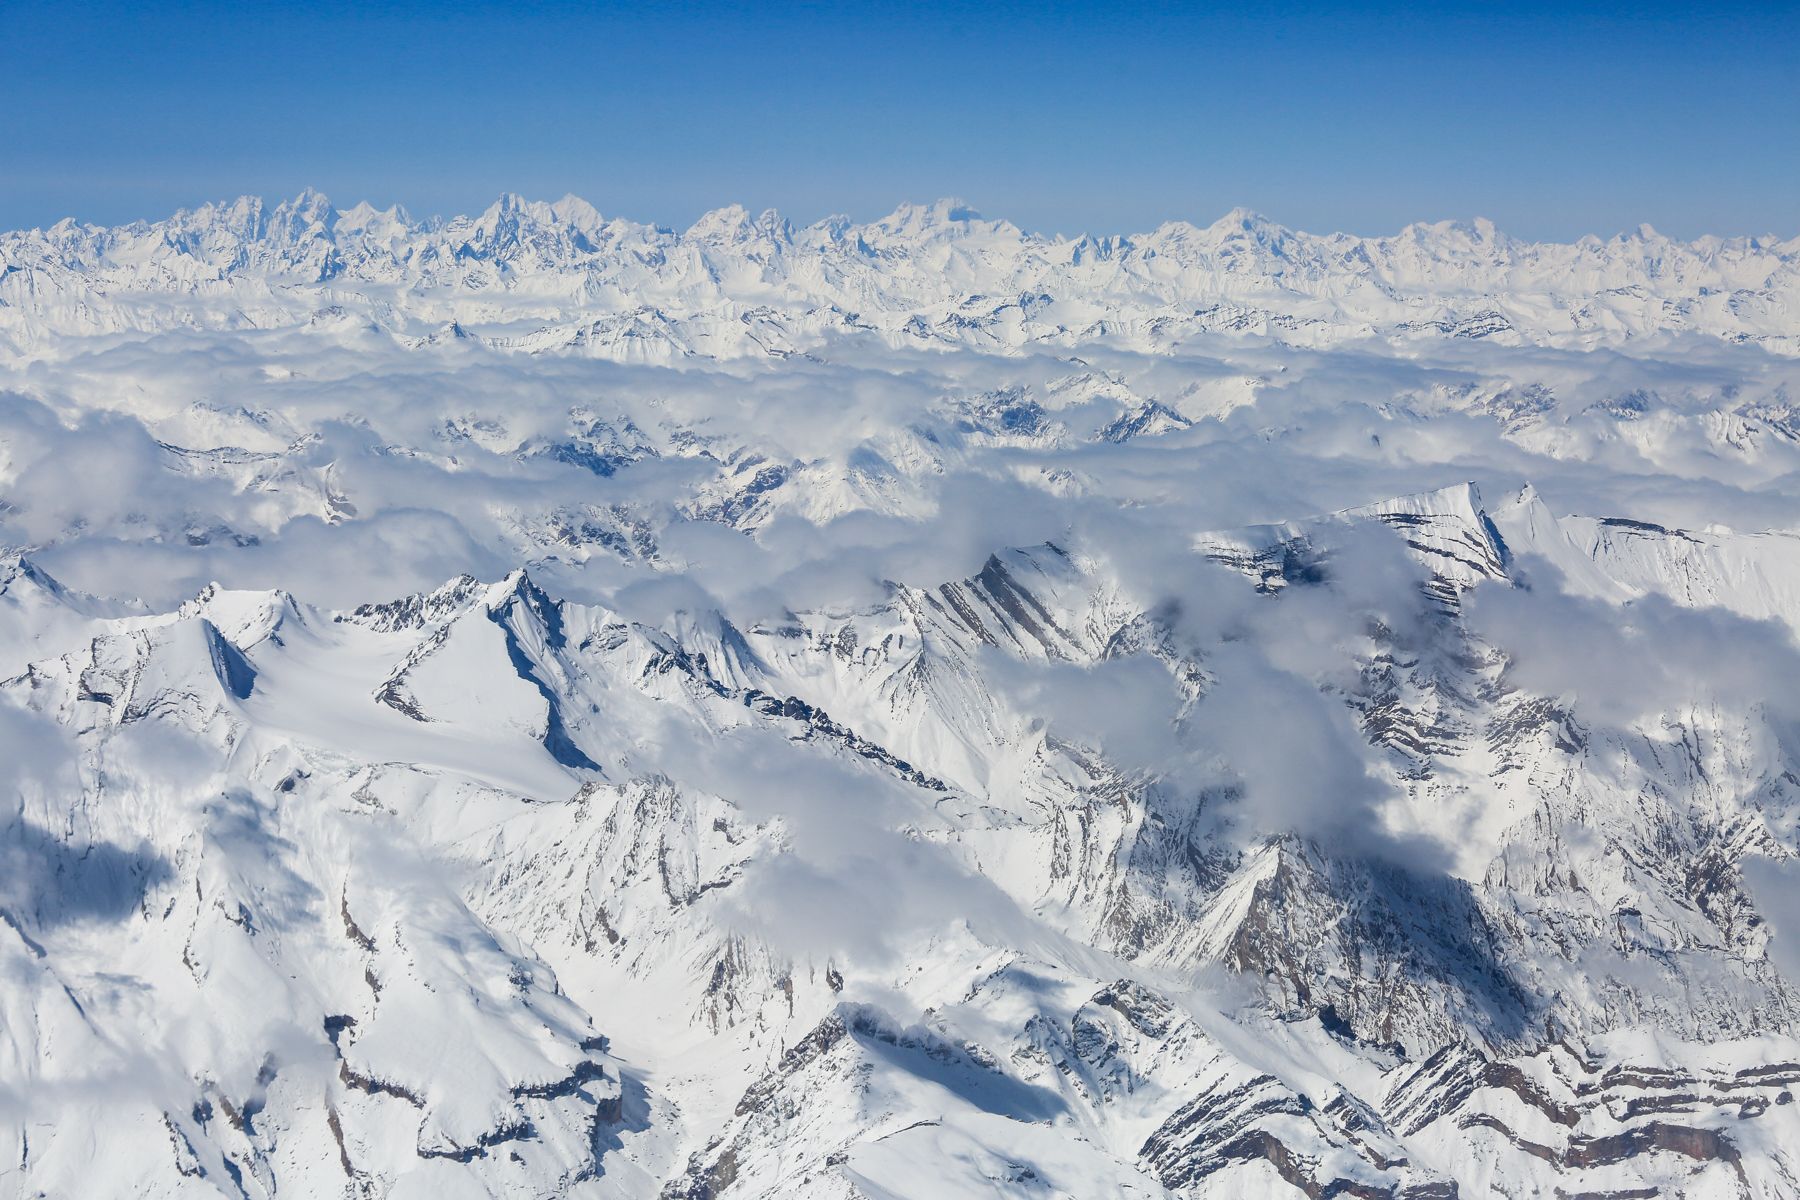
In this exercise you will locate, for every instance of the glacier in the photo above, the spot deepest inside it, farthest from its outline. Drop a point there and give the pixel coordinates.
(541, 705)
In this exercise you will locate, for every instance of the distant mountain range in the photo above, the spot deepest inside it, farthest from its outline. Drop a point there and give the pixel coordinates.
(543, 706)
(559, 277)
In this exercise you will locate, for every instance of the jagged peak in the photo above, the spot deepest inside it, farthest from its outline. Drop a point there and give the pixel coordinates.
(727, 217)
(418, 609)
(573, 210)
(363, 214)
(245, 615)
(946, 212)
(1460, 500)
(515, 582)
(310, 200)
(1246, 220)
(1452, 516)
(913, 220)
(834, 226)
(1171, 231)
(711, 633)
(17, 564)
(733, 223)
(1406, 286)
(518, 585)
(1456, 238)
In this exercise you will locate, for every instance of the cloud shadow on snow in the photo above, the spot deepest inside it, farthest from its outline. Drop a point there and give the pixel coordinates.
(46, 882)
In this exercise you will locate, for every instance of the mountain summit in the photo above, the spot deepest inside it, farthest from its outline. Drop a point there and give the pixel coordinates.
(923, 273)
(539, 705)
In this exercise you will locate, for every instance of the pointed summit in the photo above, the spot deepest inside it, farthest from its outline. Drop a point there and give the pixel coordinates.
(1245, 219)
(730, 223)
(1245, 223)
(917, 220)
(573, 211)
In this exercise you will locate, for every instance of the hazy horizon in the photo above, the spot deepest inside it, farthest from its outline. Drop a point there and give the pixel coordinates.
(1108, 118)
(803, 221)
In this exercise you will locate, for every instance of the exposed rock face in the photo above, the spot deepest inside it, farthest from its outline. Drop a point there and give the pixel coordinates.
(1401, 1030)
(974, 726)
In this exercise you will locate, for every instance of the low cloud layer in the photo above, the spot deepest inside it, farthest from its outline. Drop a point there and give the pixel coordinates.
(351, 470)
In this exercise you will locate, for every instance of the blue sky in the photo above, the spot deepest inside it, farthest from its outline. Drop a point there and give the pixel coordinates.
(1554, 120)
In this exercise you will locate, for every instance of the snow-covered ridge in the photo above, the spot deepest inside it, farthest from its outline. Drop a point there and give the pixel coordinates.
(560, 277)
(1032, 724)
(487, 888)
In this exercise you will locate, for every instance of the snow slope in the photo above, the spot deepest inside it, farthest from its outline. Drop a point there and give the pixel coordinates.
(560, 278)
(536, 705)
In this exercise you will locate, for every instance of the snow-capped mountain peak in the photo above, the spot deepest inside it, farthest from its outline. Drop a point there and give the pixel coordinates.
(538, 704)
